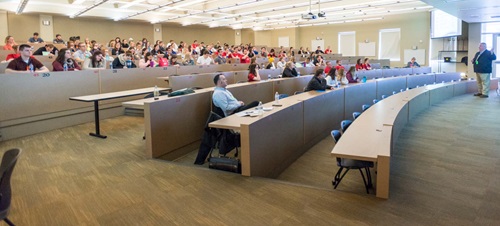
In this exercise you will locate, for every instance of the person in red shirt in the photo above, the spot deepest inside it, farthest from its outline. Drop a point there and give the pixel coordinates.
(64, 58)
(25, 63)
(253, 73)
(328, 50)
(359, 65)
(195, 44)
(272, 53)
(14, 55)
(339, 65)
(244, 58)
(366, 64)
(328, 67)
(9, 43)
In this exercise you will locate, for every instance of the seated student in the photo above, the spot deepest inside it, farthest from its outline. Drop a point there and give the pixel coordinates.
(318, 50)
(96, 61)
(366, 64)
(270, 64)
(308, 62)
(318, 82)
(319, 61)
(147, 61)
(351, 75)
(25, 63)
(281, 63)
(35, 38)
(188, 59)
(328, 50)
(173, 60)
(271, 53)
(14, 55)
(117, 50)
(331, 77)
(65, 62)
(59, 40)
(225, 100)
(413, 63)
(253, 73)
(289, 70)
(205, 59)
(122, 60)
(341, 77)
(359, 65)
(339, 65)
(9, 43)
(328, 66)
(47, 48)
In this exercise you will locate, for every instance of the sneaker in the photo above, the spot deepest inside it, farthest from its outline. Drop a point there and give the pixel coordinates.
(484, 96)
(477, 94)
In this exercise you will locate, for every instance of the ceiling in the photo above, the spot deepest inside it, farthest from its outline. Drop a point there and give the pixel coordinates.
(253, 14)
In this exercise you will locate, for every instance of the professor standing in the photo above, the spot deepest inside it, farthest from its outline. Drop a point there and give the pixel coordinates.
(482, 67)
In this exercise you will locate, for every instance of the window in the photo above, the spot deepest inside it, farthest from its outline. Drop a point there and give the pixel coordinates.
(490, 27)
(389, 44)
(347, 43)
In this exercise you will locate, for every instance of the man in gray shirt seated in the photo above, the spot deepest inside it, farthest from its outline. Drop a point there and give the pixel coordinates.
(225, 100)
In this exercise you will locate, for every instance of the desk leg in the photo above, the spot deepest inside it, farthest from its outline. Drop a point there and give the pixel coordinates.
(96, 116)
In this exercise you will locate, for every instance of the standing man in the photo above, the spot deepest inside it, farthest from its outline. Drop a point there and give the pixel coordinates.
(225, 100)
(25, 63)
(482, 67)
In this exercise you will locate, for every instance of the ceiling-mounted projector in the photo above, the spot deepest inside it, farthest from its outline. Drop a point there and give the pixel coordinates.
(309, 16)
(321, 14)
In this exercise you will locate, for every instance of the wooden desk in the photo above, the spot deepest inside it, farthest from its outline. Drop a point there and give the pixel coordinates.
(108, 96)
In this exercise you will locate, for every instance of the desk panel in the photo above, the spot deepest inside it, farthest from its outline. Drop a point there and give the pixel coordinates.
(255, 91)
(291, 85)
(188, 81)
(24, 95)
(420, 80)
(447, 77)
(418, 104)
(438, 94)
(387, 86)
(322, 113)
(421, 70)
(357, 95)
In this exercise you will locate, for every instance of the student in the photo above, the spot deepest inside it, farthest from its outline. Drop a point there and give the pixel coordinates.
(35, 38)
(359, 65)
(96, 61)
(412, 63)
(290, 70)
(122, 60)
(147, 61)
(65, 62)
(14, 55)
(351, 75)
(366, 64)
(331, 77)
(253, 73)
(225, 100)
(318, 82)
(50, 48)
(9, 43)
(25, 63)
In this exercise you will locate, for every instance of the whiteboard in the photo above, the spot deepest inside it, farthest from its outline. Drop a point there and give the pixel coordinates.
(284, 41)
(419, 55)
(316, 43)
(366, 49)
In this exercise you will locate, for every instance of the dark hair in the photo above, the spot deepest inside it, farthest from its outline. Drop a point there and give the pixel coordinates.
(331, 73)
(216, 78)
(36, 33)
(318, 72)
(60, 56)
(24, 46)
(93, 58)
(146, 55)
(251, 68)
(358, 62)
(58, 35)
(366, 59)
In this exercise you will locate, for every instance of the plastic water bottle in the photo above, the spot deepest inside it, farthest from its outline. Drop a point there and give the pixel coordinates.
(259, 108)
(32, 69)
(129, 63)
(276, 98)
(152, 64)
(156, 93)
(110, 65)
(364, 79)
(269, 77)
(65, 67)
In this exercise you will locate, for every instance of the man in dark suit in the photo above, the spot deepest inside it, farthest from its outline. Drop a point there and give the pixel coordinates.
(482, 62)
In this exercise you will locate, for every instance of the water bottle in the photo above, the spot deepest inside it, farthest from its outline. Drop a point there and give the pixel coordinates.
(276, 98)
(32, 69)
(259, 108)
(152, 64)
(110, 65)
(269, 77)
(65, 67)
(364, 79)
(156, 93)
(129, 64)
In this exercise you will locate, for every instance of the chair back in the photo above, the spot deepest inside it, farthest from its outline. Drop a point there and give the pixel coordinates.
(344, 125)
(384, 96)
(9, 160)
(335, 135)
(297, 92)
(375, 101)
(355, 115)
(218, 110)
(283, 95)
(365, 106)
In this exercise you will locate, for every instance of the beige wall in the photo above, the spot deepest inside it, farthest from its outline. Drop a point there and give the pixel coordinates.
(248, 36)
(264, 38)
(4, 26)
(202, 34)
(30, 24)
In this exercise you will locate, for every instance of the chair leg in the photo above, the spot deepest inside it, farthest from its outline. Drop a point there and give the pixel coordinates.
(340, 179)
(337, 176)
(8, 222)
(364, 181)
(369, 175)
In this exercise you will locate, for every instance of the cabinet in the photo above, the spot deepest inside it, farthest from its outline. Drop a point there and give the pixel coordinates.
(457, 63)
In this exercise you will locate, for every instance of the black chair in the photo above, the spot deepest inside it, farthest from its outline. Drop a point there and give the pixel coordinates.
(349, 164)
(9, 160)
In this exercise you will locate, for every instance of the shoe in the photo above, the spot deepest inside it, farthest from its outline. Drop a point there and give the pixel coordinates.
(484, 96)
(477, 94)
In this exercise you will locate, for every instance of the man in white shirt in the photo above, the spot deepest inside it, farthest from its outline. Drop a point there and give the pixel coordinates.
(225, 100)
(81, 54)
(205, 59)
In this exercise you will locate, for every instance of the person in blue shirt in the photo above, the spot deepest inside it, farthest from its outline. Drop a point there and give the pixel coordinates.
(225, 100)
(35, 38)
(482, 62)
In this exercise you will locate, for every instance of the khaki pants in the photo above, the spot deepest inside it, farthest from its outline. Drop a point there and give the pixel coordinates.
(483, 83)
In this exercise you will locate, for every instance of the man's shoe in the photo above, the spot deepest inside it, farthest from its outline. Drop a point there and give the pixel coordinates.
(477, 94)
(484, 96)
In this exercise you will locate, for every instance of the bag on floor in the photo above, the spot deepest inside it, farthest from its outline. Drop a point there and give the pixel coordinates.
(225, 163)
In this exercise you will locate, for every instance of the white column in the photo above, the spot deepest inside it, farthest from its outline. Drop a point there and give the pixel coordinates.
(46, 28)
